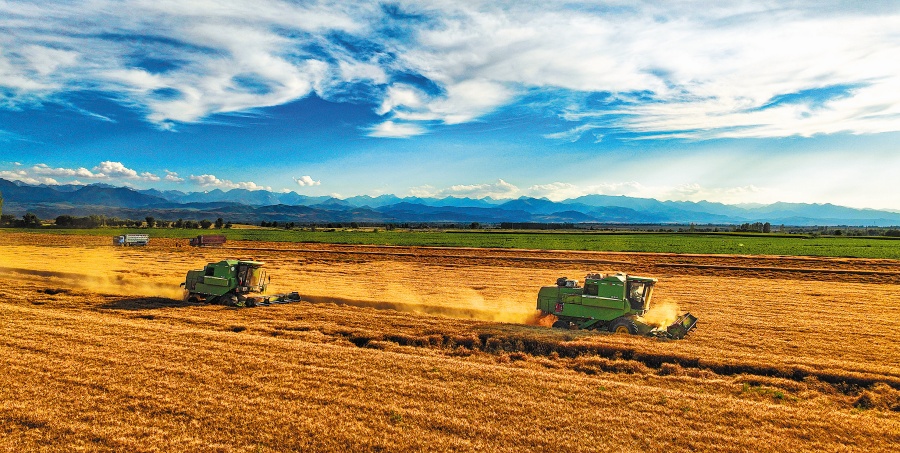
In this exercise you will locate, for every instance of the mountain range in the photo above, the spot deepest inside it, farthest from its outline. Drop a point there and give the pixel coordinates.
(245, 206)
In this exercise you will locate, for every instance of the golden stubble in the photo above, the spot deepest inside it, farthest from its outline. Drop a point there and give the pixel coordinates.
(117, 371)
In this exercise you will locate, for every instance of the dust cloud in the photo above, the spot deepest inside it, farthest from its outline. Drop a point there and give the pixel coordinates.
(101, 271)
(129, 287)
(459, 303)
(661, 314)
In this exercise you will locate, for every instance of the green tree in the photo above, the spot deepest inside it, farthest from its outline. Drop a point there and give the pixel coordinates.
(219, 223)
(205, 224)
(151, 222)
(31, 221)
(65, 221)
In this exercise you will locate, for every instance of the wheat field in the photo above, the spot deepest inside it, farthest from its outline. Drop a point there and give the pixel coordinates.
(437, 349)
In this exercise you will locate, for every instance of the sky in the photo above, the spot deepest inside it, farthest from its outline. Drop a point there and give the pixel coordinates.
(728, 101)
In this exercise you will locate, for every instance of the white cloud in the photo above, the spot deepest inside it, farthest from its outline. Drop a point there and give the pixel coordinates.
(107, 170)
(213, 181)
(668, 69)
(117, 170)
(305, 181)
(171, 176)
(558, 191)
(44, 169)
(104, 171)
(147, 176)
(498, 190)
(391, 129)
(23, 176)
(462, 102)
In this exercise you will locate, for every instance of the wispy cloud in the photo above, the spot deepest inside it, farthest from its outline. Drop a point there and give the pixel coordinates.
(667, 70)
(392, 129)
(499, 190)
(575, 134)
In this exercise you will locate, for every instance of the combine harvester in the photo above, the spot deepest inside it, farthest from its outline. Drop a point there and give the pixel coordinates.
(614, 302)
(235, 283)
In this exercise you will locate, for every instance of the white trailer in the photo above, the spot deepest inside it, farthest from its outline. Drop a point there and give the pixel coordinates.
(127, 240)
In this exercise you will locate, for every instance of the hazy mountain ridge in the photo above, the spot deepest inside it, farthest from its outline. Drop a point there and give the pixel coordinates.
(241, 205)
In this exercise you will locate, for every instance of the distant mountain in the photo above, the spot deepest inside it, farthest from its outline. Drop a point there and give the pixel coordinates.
(414, 212)
(334, 204)
(241, 205)
(95, 194)
(532, 205)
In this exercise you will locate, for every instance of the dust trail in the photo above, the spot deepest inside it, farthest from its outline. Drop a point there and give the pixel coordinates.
(100, 270)
(661, 314)
(541, 319)
(102, 284)
(459, 302)
(129, 287)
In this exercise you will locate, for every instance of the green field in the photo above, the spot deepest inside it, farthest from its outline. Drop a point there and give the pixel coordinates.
(761, 244)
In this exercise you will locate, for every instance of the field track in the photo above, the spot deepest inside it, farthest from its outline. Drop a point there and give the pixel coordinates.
(414, 348)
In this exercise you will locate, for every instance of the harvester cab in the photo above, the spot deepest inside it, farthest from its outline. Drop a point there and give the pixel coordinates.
(232, 282)
(614, 302)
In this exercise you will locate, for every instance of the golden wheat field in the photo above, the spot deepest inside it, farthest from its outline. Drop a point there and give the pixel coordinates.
(438, 349)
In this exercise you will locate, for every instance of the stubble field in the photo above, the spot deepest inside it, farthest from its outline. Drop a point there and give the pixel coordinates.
(436, 349)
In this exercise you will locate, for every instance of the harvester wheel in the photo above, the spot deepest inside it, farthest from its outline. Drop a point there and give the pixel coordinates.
(232, 301)
(623, 325)
(561, 324)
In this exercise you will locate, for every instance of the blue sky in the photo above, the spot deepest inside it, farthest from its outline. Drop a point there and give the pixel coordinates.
(738, 102)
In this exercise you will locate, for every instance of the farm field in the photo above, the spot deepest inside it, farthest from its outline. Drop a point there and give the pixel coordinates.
(695, 243)
(407, 348)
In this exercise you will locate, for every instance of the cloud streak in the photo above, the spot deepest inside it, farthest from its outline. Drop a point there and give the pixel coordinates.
(653, 70)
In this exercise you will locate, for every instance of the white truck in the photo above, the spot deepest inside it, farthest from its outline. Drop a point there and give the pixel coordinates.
(127, 240)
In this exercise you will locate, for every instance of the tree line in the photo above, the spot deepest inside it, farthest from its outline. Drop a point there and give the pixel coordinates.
(30, 220)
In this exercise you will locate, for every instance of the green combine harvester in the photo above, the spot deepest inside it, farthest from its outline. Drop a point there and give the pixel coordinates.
(236, 283)
(614, 302)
